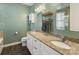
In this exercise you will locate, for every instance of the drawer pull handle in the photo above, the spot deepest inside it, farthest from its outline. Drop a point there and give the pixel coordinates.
(35, 40)
(35, 47)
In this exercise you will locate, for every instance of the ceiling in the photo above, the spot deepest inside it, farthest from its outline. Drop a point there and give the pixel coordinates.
(28, 4)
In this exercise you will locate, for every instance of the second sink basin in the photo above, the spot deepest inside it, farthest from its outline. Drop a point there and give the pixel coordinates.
(61, 44)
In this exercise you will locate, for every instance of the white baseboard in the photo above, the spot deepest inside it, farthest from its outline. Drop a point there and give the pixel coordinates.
(6, 45)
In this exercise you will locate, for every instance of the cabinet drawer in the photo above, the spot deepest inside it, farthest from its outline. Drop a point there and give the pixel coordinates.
(36, 51)
(36, 42)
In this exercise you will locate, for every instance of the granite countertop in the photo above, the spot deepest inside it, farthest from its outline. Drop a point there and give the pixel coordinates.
(46, 38)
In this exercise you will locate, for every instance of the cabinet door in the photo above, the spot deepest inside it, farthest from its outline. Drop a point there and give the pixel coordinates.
(47, 50)
(30, 44)
(74, 16)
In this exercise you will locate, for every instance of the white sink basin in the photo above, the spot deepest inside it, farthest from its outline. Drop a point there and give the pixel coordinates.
(61, 44)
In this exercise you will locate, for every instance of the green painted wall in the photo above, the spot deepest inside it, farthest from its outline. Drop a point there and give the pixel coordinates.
(12, 20)
(65, 32)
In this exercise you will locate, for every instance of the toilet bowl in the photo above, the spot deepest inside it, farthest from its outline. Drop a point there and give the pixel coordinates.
(24, 41)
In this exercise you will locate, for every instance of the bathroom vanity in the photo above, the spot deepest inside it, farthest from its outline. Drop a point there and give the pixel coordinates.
(40, 43)
(36, 47)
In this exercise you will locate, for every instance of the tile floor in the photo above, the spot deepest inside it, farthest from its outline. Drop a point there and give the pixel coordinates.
(15, 50)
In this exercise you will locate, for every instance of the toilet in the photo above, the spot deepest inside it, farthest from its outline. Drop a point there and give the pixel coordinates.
(24, 41)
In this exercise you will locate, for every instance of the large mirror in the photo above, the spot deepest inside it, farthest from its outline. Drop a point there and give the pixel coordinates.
(62, 18)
